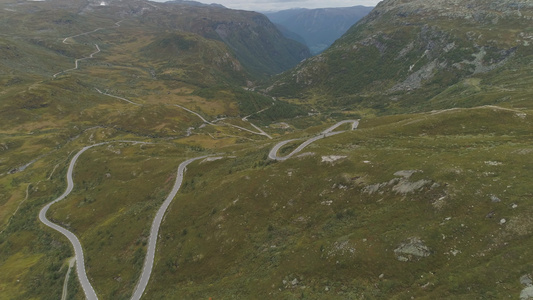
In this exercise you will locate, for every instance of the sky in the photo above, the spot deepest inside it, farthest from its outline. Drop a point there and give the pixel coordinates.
(269, 5)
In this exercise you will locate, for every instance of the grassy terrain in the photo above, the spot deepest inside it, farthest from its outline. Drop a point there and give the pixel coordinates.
(336, 238)
(243, 227)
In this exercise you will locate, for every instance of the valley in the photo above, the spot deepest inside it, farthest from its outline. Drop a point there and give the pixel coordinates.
(194, 171)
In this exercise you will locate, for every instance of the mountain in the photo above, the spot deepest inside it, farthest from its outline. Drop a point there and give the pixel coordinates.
(318, 27)
(422, 55)
(395, 165)
(255, 41)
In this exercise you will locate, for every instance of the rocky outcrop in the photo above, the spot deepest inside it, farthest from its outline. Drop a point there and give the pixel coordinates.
(527, 292)
(401, 185)
(412, 250)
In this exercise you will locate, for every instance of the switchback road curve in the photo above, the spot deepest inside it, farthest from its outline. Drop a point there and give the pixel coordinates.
(273, 154)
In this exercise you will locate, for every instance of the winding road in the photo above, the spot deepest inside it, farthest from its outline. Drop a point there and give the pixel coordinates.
(78, 250)
(260, 131)
(158, 219)
(124, 99)
(273, 154)
(195, 113)
(85, 33)
(78, 60)
(150, 254)
(156, 224)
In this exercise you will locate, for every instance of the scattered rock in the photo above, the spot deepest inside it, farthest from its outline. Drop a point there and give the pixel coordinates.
(373, 188)
(527, 293)
(406, 173)
(406, 187)
(495, 199)
(209, 159)
(440, 202)
(306, 154)
(342, 248)
(332, 158)
(526, 280)
(454, 252)
(401, 185)
(412, 250)
(294, 282)
(493, 163)
(503, 221)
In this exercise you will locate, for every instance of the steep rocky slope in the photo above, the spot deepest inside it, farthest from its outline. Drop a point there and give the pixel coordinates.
(256, 42)
(405, 54)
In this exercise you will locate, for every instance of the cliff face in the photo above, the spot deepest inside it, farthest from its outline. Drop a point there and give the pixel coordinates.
(254, 40)
(406, 53)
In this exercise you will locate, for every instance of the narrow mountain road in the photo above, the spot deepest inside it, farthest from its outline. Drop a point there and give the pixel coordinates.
(78, 250)
(273, 154)
(258, 112)
(150, 254)
(124, 99)
(195, 113)
(84, 33)
(77, 61)
(260, 131)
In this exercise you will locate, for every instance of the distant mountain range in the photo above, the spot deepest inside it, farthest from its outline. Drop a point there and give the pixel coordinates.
(318, 28)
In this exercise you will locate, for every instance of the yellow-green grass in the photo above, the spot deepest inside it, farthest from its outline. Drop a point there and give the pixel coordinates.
(245, 234)
(13, 270)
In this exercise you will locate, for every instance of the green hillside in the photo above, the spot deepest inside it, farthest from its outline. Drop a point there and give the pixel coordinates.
(428, 198)
(410, 56)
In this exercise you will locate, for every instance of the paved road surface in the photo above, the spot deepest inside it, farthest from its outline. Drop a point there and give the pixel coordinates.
(124, 99)
(85, 33)
(78, 60)
(78, 250)
(273, 154)
(197, 114)
(149, 260)
(261, 132)
(80, 265)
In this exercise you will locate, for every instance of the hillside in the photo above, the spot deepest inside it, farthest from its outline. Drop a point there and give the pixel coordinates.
(255, 41)
(423, 55)
(320, 27)
(139, 161)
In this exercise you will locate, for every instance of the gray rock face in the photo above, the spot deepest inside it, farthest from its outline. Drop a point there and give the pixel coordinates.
(401, 185)
(412, 250)
(527, 292)
(526, 280)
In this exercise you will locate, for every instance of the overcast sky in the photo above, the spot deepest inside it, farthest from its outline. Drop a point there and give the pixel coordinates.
(266, 5)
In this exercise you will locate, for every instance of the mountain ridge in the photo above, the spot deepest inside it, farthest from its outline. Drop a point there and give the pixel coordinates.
(401, 49)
